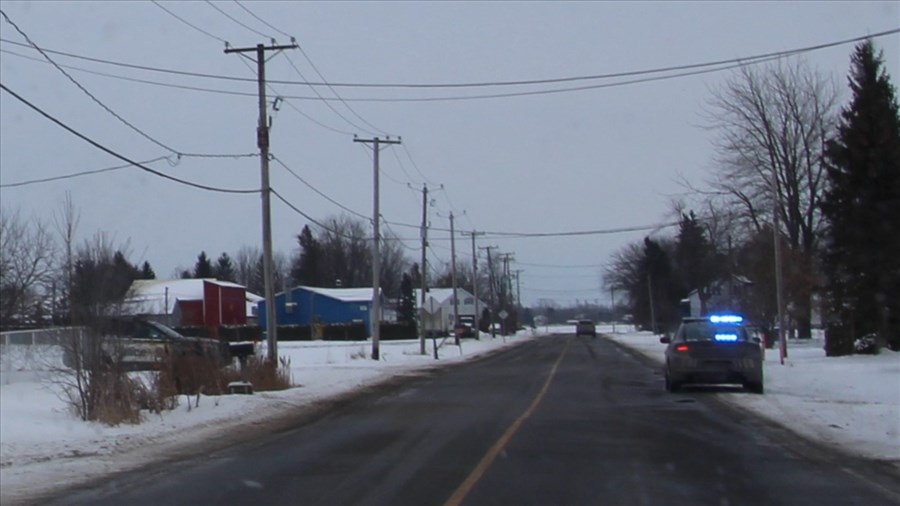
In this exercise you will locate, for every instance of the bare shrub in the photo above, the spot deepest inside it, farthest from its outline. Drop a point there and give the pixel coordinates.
(92, 380)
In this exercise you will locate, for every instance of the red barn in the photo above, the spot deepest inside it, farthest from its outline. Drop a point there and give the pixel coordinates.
(192, 302)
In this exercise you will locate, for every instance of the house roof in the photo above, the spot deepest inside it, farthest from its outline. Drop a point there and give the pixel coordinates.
(443, 295)
(150, 296)
(342, 294)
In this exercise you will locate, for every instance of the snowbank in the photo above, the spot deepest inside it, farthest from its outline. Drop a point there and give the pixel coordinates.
(851, 402)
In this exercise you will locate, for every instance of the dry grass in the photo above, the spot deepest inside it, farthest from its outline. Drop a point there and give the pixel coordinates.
(263, 374)
(193, 375)
(116, 399)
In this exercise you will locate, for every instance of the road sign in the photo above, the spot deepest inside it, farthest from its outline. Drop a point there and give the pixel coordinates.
(503, 314)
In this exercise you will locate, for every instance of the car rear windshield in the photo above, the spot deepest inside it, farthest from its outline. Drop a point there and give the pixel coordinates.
(706, 331)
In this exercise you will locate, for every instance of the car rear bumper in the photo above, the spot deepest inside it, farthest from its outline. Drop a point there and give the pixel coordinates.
(715, 373)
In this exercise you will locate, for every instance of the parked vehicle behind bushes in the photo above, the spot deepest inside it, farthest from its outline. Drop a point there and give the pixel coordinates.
(137, 344)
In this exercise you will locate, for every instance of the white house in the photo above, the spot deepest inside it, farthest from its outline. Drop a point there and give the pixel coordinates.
(438, 308)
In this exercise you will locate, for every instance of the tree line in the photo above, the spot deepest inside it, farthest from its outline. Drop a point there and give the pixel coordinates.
(787, 153)
(48, 277)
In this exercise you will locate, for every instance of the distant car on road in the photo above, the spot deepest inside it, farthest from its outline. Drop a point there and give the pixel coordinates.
(713, 350)
(585, 328)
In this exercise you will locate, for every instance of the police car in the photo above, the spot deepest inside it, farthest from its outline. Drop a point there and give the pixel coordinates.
(717, 349)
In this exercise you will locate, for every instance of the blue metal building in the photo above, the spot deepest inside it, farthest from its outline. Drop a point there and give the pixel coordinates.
(304, 305)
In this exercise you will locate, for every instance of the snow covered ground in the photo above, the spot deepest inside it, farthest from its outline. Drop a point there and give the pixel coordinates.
(850, 402)
(43, 445)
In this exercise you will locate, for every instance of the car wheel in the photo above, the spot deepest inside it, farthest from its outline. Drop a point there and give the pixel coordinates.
(672, 386)
(753, 387)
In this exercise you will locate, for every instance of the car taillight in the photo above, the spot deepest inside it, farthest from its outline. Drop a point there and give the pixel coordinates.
(681, 348)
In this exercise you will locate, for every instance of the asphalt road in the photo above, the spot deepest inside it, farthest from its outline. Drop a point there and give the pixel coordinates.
(557, 421)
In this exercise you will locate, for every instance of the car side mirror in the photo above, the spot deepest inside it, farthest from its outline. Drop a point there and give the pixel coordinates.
(665, 340)
(757, 340)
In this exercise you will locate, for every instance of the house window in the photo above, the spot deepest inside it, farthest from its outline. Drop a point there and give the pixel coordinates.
(363, 308)
(469, 300)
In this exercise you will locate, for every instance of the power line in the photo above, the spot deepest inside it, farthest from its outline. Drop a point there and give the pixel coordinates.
(297, 109)
(326, 102)
(416, 166)
(321, 76)
(195, 27)
(585, 266)
(79, 174)
(427, 99)
(261, 20)
(313, 188)
(99, 102)
(741, 61)
(502, 235)
(237, 21)
(117, 155)
(402, 166)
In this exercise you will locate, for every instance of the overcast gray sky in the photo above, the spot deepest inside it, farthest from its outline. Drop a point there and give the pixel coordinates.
(594, 159)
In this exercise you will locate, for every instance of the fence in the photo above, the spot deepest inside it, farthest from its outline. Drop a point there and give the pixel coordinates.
(35, 337)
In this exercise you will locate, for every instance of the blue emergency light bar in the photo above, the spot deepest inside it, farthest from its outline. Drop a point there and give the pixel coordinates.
(726, 318)
(727, 337)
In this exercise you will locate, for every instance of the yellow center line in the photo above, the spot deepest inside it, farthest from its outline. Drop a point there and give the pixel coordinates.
(485, 463)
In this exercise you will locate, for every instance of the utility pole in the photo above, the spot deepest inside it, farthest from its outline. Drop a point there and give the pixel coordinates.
(779, 289)
(375, 313)
(491, 285)
(612, 307)
(423, 270)
(652, 310)
(453, 277)
(475, 282)
(262, 142)
(506, 292)
(424, 267)
(518, 289)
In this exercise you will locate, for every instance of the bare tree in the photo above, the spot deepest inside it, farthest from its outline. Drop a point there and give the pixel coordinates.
(66, 220)
(245, 261)
(771, 125)
(26, 263)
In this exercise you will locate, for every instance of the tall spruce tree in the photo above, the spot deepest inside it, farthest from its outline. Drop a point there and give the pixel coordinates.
(147, 271)
(203, 268)
(695, 259)
(862, 209)
(224, 269)
(656, 279)
(308, 266)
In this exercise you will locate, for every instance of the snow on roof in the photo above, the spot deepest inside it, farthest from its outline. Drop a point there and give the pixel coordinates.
(342, 294)
(159, 296)
(442, 295)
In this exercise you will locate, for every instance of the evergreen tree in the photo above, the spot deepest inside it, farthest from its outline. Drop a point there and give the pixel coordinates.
(862, 210)
(657, 280)
(203, 268)
(308, 269)
(224, 269)
(147, 271)
(695, 259)
(406, 311)
(100, 280)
